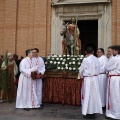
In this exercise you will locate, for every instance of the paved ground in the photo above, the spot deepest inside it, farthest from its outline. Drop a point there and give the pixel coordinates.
(49, 112)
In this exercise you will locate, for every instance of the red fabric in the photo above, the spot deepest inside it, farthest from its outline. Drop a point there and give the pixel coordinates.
(60, 90)
(16, 81)
(109, 89)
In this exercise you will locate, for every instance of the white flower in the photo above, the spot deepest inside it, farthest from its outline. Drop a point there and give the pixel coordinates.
(74, 68)
(58, 68)
(64, 60)
(70, 68)
(61, 68)
(66, 65)
(71, 55)
(73, 62)
(53, 58)
(78, 58)
(45, 62)
(51, 61)
(54, 55)
(68, 55)
(66, 68)
(78, 63)
(73, 59)
(68, 58)
(48, 57)
(57, 58)
(63, 63)
(82, 56)
(61, 58)
(64, 55)
(60, 55)
(58, 62)
(70, 63)
(55, 62)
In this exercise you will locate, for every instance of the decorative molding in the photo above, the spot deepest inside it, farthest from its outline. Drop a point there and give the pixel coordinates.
(63, 2)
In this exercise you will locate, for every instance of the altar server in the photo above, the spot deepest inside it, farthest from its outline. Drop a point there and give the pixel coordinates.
(113, 92)
(102, 76)
(41, 70)
(26, 93)
(90, 95)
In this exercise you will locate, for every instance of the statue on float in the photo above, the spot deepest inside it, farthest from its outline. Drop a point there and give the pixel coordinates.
(71, 44)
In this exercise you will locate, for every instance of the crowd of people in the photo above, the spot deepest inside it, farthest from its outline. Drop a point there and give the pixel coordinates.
(101, 83)
(28, 72)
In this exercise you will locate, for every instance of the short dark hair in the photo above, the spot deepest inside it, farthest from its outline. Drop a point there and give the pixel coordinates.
(102, 50)
(89, 50)
(117, 47)
(111, 47)
(28, 51)
(36, 49)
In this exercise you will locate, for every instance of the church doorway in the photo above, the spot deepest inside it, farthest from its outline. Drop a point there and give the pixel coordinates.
(88, 34)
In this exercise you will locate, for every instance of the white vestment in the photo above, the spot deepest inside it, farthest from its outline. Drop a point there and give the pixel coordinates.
(38, 82)
(103, 79)
(26, 93)
(113, 91)
(89, 70)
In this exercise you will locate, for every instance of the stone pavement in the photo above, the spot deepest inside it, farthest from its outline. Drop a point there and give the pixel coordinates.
(49, 112)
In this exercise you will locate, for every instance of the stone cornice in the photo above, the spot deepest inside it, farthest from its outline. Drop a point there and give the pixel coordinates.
(64, 2)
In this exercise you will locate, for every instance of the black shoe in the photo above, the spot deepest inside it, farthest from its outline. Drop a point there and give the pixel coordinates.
(86, 116)
(42, 105)
(103, 108)
(92, 116)
(27, 109)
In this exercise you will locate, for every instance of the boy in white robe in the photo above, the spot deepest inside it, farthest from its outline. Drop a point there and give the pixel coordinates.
(102, 76)
(89, 71)
(41, 70)
(26, 93)
(113, 91)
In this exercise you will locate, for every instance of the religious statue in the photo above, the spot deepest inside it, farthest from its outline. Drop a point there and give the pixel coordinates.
(71, 43)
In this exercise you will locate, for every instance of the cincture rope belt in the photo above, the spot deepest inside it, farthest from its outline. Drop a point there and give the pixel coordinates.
(102, 73)
(109, 89)
(83, 84)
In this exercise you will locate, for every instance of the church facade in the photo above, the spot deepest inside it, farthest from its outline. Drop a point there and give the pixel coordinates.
(27, 24)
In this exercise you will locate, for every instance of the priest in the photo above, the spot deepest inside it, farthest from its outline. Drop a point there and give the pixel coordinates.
(26, 93)
(41, 70)
(89, 71)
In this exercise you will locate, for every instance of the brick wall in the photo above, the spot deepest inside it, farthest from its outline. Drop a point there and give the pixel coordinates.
(115, 22)
(25, 24)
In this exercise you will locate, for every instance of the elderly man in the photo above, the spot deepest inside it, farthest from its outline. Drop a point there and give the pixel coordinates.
(102, 77)
(89, 71)
(41, 70)
(113, 93)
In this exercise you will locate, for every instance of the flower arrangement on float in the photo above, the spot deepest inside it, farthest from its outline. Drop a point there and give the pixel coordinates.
(63, 62)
